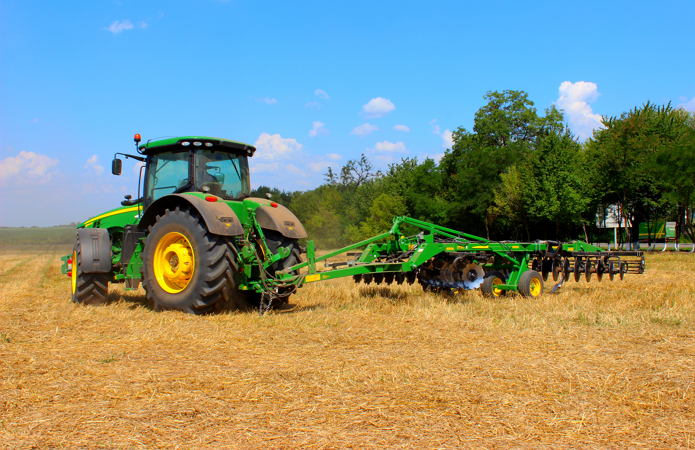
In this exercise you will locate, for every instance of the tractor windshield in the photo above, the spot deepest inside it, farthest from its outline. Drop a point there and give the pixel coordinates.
(223, 174)
(166, 173)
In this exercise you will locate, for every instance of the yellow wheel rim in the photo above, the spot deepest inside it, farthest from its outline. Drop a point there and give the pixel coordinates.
(174, 262)
(74, 272)
(496, 291)
(535, 287)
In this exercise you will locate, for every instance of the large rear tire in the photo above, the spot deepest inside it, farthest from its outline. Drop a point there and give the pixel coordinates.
(87, 288)
(187, 268)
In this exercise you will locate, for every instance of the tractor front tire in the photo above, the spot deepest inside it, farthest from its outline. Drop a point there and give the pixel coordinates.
(87, 288)
(185, 267)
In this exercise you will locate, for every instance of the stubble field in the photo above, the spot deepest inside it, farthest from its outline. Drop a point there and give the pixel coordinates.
(609, 365)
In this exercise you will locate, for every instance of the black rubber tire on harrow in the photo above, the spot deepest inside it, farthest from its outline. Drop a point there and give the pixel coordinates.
(487, 288)
(527, 281)
(215, 264)
(89, 288)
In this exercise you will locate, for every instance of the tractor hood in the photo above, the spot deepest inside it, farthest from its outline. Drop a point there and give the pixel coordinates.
(119, 217)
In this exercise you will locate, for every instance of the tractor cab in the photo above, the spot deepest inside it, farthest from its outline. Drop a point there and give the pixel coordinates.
(191, 164)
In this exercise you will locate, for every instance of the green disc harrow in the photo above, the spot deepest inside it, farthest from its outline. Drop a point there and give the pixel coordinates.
(442, 259)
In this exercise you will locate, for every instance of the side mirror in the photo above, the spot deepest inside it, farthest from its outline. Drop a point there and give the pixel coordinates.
(116, 166)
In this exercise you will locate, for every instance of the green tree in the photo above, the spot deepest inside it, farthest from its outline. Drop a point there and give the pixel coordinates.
(675, 166)
(505, 132)
(621, 152)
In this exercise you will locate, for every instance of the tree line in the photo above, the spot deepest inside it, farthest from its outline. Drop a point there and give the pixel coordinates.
(519, 175)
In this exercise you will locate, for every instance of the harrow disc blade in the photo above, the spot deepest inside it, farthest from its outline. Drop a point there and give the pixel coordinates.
(473, 275)
(577, 268)
(388, 277)
(357, 278)
(611, 271)
(600, 268)
(546, 268)
(623, 270)
(566, 269)
(400, 278)
(557, 268)
(411, 276)
(587, 270)
(367, 278)
(378, 278)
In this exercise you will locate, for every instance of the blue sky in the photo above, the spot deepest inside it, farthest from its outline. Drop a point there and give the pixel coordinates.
(312, 84)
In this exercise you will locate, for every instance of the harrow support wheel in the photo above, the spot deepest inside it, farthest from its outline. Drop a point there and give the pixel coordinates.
(187, 268)
(531, 284)
(492, 279)
(87, 288)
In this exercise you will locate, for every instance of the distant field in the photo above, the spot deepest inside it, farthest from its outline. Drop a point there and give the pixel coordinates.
(37, 236)
(599, 365)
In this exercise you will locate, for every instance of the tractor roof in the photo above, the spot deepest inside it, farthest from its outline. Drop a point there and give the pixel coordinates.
(170, 144)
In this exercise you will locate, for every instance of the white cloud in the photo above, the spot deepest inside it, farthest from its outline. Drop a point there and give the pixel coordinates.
(116, 27)
(275, 147)
(319, 128)
(401, 128)
(446, 135)
(93, 163)
(688, 106)
(295, 170)
(313, 105)
(377, 107)
(319, 166)
(27, 166)
(142, 25)
(388, 147)
(334, 156)
(262, 167)
(320, 93)
(267, 100)
(364, 129)
(574, 101)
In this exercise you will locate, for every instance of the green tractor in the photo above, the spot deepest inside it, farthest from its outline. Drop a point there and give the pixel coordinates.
(195, 239)
(198, 243)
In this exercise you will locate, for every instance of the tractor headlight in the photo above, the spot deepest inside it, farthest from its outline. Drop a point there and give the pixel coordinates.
(185, 143)
(197, 144)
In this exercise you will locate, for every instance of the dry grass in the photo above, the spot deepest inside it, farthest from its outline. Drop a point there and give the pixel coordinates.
(608, 365)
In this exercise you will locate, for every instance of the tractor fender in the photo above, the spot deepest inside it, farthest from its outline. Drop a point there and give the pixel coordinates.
(219, 218)
(280, 219)
(95, 246)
